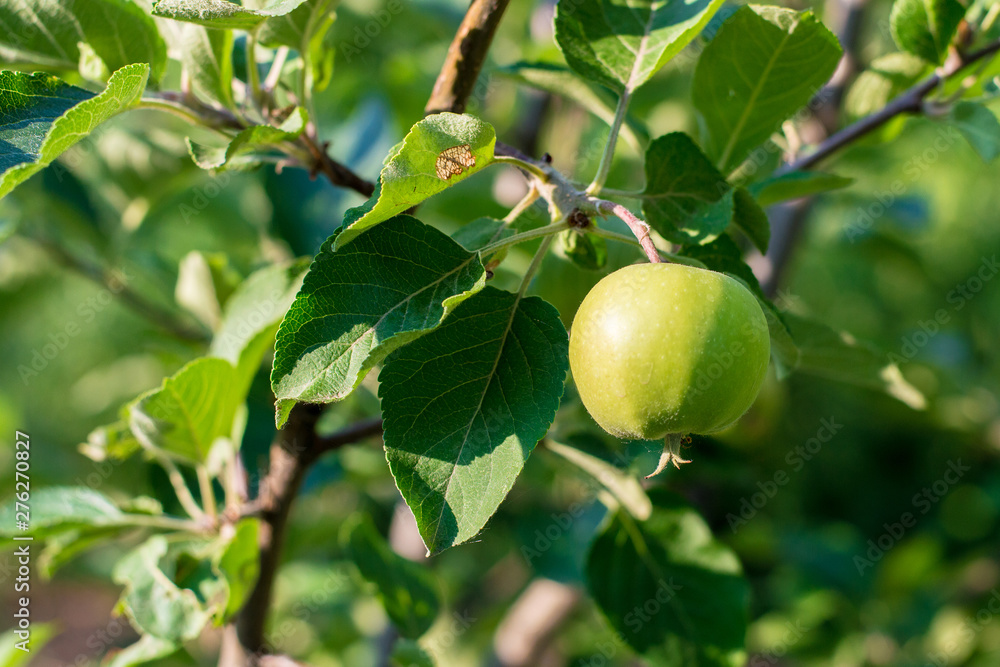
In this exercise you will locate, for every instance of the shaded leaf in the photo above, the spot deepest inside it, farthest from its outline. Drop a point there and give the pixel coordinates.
(979, 126)
(762, 66)
(563, 82)
(59, 508)
(621, 45)
(307, 30)
(751, 219)
(587, 251)
(59, 34)
(222, 13)
(414, 171)
(481, 232)
(407, 590)
(207, 56)
(794, 185)
(676, 595)
(407, 653)
(41, 117)
(465, 405)
(925, 28)
(360, 302)
(239, 565)
(838, 356)
(886, 78)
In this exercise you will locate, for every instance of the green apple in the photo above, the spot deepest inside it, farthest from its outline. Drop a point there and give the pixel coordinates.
(664, 350)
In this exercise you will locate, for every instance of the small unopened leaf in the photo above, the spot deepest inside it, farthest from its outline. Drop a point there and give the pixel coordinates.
(465, 405)
(762, 66)
(152, 601)
(408, 590)
(438, 152)
(411, 276)
(925, 27)
(622, 44)
(675, 594)
(44, 116)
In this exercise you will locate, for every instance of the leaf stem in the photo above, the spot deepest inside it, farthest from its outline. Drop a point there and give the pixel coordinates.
(274, 74)
(206, 492)
(597, 185)
(253, 75)
(526, 166)
(631, 240)
(526, 202)
(184, 496)
(547, 230)
(638, 227)
(536, 263)
(164, 522)
(631, 194)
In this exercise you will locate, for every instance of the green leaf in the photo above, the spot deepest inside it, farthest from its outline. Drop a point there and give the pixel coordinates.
(621, 45)
(56, 509)
(63, 547)
(481, 232)
(207, 57)
(724, 256)
(925, 28)
(794, 185)
(13, 656)
(412, 174)
(682, 190)
(114, 441)
(256, 138)
(979, 126)
(144, 651)
(762, 66)
(407, 590)
(190, 410)
(587, 251)
(687, 200)
(751, 219)
(838, 356)
(49, 34)
(407, 653)
(307, 30)
(624, 487)
(222, 13)
(239, 565)
(153, 603)
(465, 405)
(676, 595)
(886, 78)
(360, 302)
(561, 81)
(43, 116)
(251, 316)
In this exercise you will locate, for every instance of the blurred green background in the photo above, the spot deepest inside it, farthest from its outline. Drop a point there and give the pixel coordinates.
(799, 513)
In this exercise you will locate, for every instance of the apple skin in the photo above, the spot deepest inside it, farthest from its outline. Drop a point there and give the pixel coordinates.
(662, 349)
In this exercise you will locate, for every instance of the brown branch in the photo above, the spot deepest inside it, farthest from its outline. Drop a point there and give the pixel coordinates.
(532, 622)
(337, 173)
(295, 448)
(462, 65)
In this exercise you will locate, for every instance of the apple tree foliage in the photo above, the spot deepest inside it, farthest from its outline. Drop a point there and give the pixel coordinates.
(470, 371)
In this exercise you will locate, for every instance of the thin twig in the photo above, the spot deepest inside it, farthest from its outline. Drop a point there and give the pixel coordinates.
(910, 101)
(99, 275)
(338, 174)
(460, 71)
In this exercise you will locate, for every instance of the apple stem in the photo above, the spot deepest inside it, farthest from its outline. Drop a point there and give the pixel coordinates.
(638, 227)
(671, 454)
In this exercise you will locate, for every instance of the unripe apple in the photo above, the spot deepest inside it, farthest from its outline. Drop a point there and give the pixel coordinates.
(664, 350)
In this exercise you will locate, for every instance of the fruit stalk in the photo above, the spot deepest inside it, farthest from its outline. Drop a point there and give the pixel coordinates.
(671, 454)
(638, 227)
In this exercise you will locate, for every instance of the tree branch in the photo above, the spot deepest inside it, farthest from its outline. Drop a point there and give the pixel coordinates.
(337, 173)
(910, 101)
(99, 275)
(295, 448)
(462, 65)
